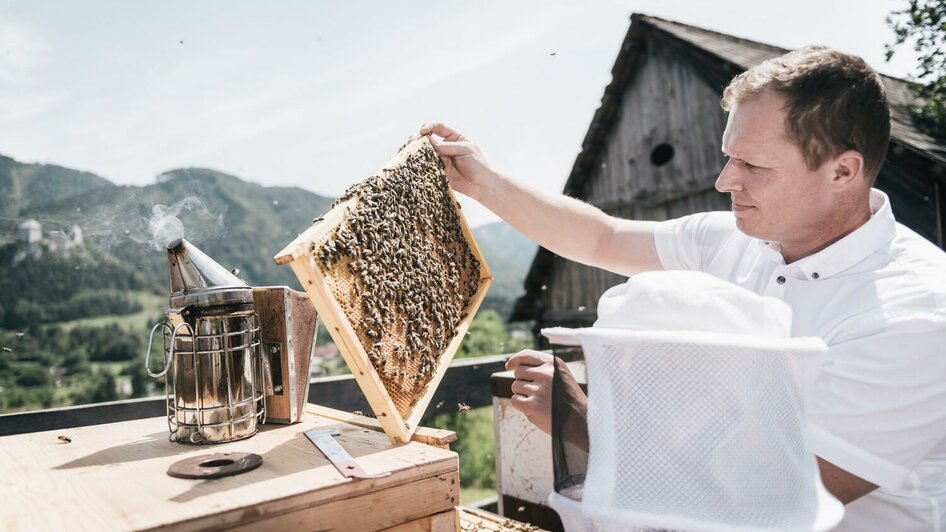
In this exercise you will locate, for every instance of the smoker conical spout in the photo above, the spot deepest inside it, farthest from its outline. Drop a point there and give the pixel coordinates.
(192, 273)
(191, 269)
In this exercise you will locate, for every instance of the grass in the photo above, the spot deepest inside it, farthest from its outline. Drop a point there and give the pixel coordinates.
(152, 305)
(474, 494)
(62, 396)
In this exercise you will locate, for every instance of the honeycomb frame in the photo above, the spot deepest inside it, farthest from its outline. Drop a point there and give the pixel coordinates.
(318, 286)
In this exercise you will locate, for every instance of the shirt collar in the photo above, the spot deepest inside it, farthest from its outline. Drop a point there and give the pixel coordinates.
(853, 248)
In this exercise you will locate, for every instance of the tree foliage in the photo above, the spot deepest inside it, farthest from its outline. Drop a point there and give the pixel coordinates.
(488, 336)
(79, 358)
(923, 23)
(57, 288)
(475, 445)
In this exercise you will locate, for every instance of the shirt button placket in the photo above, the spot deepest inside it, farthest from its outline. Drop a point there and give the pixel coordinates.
(777, 284)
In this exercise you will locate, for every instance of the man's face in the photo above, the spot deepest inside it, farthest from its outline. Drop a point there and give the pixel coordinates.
(774, 194)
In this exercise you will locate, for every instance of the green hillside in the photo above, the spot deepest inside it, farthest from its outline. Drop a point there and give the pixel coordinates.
(23, 186)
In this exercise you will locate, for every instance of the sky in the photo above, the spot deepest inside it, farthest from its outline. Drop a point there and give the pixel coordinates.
(320, 94)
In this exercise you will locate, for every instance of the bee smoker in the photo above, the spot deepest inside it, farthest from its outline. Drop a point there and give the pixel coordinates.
(234, 356)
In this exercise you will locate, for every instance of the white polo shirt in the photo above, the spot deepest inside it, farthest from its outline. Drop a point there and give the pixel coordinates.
(878, 299)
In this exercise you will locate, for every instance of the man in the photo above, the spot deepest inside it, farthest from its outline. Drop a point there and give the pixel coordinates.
(806, 136)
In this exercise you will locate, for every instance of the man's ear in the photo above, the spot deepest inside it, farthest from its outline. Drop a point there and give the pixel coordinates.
(848, 169)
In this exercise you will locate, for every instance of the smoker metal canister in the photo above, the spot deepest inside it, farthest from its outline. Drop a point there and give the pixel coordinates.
(218, 374)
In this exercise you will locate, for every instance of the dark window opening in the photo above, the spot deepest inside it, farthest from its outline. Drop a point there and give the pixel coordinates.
(662, 154)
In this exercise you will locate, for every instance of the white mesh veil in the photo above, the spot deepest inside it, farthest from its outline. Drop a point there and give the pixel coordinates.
(695, 414)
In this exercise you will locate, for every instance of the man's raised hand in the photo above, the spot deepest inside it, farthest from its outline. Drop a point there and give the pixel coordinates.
(532, 389)
(466, 168)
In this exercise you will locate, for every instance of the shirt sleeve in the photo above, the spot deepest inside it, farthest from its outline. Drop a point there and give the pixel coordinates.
(879, 407)
(687, 243)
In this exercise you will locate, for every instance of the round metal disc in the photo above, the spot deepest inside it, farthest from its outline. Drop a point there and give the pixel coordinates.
(215, 465)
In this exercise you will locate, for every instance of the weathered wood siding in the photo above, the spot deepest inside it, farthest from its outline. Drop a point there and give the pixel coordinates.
(915, 199)
(665, 102)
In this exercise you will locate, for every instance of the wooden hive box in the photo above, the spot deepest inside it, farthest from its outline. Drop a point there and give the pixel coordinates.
(113, 477)
(396, 276)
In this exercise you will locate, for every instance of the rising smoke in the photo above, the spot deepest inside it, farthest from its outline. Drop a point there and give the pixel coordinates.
(166, 226)
(123, 223)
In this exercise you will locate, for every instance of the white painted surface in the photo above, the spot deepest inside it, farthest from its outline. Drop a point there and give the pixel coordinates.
(523, 455)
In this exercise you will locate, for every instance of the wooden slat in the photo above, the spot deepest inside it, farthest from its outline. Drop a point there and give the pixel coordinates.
(437, 437)
(448, 521)
(371, 511)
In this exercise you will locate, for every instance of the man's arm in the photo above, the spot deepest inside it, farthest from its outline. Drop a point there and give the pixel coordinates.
(843, 485)
(565, 226)
(573, 229)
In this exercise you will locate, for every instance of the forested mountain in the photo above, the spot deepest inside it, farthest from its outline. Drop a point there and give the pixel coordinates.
(23, 186)
(509, 254)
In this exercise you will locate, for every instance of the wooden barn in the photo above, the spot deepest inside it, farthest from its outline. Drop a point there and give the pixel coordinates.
(652, 152)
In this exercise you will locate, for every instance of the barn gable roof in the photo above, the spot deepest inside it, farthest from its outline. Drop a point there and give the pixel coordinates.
(717, 58)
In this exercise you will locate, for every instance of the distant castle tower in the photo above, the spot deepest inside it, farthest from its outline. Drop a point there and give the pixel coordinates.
(31, 231)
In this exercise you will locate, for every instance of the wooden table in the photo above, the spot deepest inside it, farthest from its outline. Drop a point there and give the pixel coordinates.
(113, 477)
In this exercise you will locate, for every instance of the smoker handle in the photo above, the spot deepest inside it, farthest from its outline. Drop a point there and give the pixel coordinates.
(167, 364)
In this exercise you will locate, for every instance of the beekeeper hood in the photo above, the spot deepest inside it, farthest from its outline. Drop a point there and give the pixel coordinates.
(696, 412)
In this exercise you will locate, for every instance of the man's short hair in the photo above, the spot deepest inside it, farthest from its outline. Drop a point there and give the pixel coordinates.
(836, 102)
